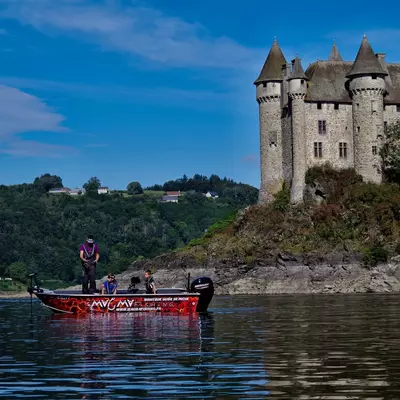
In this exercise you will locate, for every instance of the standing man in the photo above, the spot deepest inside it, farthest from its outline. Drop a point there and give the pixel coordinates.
(149, 282)
(89, 255)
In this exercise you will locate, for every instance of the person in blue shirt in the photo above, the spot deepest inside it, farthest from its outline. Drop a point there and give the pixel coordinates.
(110, 285)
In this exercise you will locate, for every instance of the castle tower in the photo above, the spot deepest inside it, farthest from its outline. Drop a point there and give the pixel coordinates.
(335, 55)
(367, 89)
(268, 94)
(297, 94)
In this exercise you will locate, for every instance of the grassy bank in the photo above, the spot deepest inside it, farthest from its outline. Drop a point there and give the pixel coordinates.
(341, 214)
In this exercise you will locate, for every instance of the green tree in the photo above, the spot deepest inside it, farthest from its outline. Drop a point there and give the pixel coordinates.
(92, 185)
(47, 182)
(18, 271)
(390, 153)
(134, 188)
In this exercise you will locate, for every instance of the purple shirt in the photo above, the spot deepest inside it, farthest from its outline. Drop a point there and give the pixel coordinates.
(88, 249)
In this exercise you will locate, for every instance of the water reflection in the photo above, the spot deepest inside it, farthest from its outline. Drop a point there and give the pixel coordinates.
(275, 347)
(103, 355)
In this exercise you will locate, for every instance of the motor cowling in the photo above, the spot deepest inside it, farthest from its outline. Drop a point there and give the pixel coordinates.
(205, 287)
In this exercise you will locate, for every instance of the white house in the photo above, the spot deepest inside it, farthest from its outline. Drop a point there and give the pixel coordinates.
(77, 191)
(170, 199)
(212, 195)
(103, 190)
(59, 190)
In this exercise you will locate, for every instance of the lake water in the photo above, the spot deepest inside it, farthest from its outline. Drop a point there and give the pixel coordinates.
(247, 347)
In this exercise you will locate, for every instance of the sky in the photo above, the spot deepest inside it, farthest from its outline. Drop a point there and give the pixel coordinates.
(149, 90)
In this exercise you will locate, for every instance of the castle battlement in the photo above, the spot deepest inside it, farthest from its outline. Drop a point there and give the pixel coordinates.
(336, 111)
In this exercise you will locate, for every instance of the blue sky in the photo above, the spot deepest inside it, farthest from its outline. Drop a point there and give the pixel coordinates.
(150, 90)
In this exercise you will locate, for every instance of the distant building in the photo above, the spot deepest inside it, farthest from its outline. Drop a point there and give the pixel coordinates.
(212, 195)
(103, 190)
(77, 191)
(170, 199)
(59, 190)
(174, 193)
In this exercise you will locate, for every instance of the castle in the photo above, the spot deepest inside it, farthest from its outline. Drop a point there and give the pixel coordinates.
(336, 111)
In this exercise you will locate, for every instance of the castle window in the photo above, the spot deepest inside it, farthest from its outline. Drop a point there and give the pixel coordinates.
(374, 150)
(373, 76)
(302, 81)
(358, 129)
(318, 149)
(273, 138)
(321, 127)
(343, 150)
(358, 105)
(398, 108)
(373, 106)
(264, 84)
(336, 106)
(385, 126)
(319, 106)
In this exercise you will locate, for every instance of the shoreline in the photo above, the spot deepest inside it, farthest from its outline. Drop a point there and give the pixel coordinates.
(281, 278)
(14, 295)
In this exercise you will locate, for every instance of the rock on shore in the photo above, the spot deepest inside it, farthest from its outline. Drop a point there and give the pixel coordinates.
(287, 275)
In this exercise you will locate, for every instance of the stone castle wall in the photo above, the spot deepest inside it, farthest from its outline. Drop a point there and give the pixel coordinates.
(268, 98)
(368, 125)
(299, 147)
(339, 129)
(287, 148)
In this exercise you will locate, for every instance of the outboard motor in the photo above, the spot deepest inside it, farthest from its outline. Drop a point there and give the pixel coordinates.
(205, 287)
(132, 287)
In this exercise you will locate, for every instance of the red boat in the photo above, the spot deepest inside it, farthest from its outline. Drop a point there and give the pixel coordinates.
(193, 299)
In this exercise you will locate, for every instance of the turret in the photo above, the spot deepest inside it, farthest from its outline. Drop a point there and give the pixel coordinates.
(367, 89)
(335, 55)
(297, 93)
(268, 94)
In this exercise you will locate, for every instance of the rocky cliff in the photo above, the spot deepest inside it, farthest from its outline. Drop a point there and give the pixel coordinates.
(344, 238)
(286, 275)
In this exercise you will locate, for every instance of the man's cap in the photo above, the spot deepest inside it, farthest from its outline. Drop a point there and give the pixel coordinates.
(90, 239)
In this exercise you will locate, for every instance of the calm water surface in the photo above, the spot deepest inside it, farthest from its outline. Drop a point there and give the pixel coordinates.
(247, 347)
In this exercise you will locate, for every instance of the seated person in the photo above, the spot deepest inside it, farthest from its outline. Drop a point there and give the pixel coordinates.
(110, 285)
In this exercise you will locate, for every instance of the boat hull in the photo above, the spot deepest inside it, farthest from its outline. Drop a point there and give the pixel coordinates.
(84, 304)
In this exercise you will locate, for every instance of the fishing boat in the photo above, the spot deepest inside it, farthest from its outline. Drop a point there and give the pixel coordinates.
(195, 298)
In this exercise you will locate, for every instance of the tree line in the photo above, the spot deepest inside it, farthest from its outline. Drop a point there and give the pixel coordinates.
(40, 232)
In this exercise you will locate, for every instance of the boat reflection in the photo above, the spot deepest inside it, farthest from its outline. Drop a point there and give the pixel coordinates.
(142, 339)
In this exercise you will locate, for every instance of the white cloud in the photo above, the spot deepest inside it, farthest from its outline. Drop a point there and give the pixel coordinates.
(201, 99)
(140, 31)
(30, 148)
(20, 113)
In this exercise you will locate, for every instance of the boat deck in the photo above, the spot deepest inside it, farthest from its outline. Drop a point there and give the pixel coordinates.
(122, 292)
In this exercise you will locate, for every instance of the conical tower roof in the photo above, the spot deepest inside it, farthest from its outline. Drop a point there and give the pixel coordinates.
(272, 69)
(297, 70)
(335, 55)
(366, 62)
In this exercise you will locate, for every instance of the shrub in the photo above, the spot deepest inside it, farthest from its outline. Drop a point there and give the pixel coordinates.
(375, 254)
(282, 200)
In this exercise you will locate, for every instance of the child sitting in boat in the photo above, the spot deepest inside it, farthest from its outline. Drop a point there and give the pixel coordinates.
(110, 285)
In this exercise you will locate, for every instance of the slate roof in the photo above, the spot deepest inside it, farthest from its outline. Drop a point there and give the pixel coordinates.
(297, 70)
(335, 55)
(327, 80)
(272, 69)
(366, 62)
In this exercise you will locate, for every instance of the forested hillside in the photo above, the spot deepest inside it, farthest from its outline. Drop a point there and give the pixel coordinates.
(42, 232)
